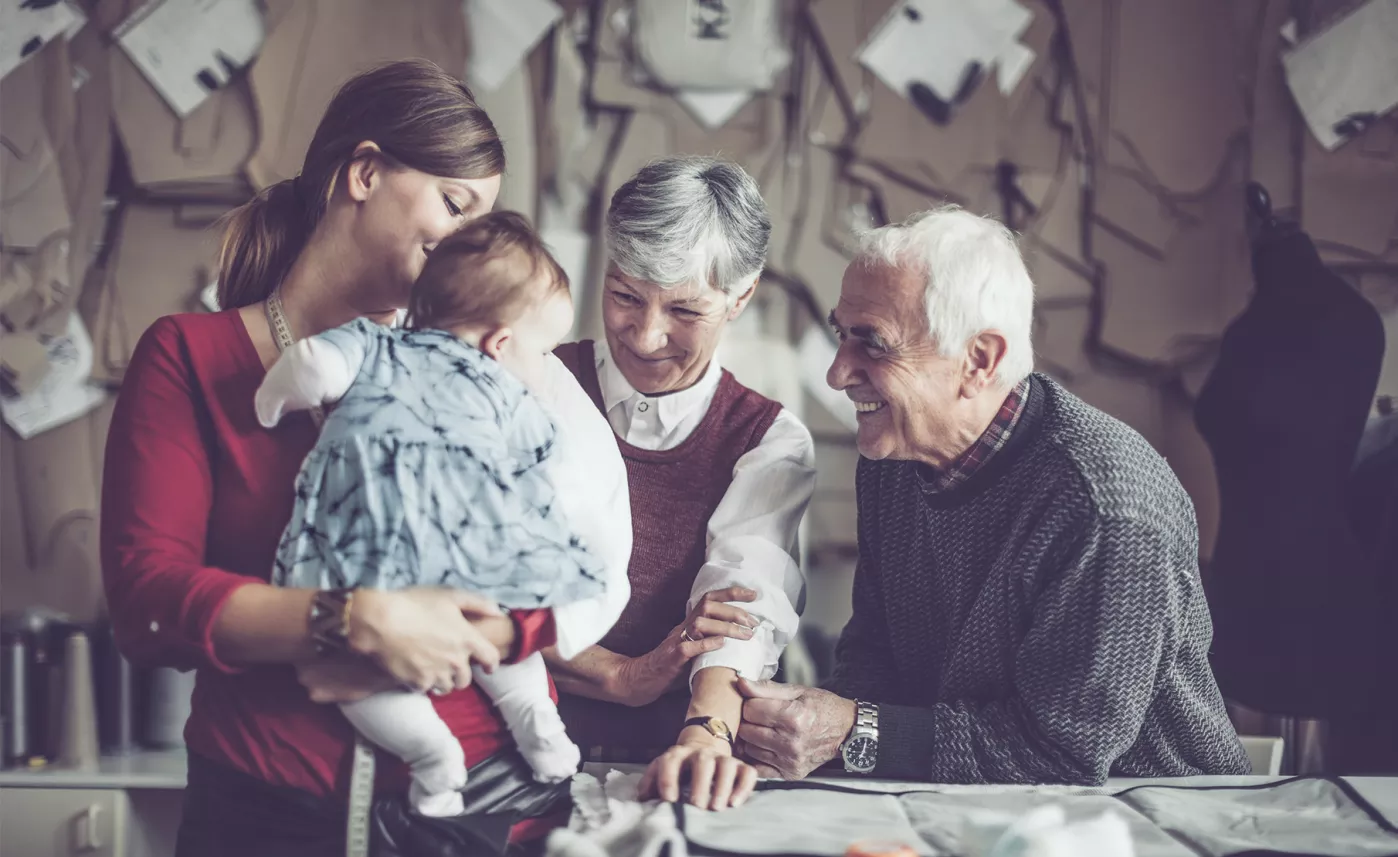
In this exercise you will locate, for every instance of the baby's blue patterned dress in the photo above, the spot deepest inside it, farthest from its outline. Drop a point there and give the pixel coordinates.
(429, 472)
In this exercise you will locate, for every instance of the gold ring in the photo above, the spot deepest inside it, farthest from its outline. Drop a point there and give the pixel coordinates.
(684, 635)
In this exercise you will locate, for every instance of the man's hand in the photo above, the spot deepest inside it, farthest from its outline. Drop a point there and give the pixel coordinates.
(789, 730)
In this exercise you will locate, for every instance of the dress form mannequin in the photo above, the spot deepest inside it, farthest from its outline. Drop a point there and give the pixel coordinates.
(1291, 587)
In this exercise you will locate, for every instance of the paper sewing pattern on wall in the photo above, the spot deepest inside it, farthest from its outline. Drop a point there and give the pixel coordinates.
(711, 19)
(188, 49)
(1346, 76)
(28, 25)
(944, 45)
(502, 35)
(710, 44)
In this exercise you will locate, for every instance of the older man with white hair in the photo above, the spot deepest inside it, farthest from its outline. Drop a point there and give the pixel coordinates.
(1027, 604)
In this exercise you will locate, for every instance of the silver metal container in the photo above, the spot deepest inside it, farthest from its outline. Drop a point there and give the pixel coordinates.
(14, 696)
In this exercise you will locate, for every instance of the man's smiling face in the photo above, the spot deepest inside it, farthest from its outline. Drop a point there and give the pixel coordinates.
(905, 391)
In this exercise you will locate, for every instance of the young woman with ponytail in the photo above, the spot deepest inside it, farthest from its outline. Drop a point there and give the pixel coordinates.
(196, 493)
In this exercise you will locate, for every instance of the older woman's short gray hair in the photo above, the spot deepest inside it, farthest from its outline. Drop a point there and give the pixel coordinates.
(975, 280)
(690, 219)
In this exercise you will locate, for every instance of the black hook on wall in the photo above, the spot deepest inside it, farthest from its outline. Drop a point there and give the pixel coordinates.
(1262, 221)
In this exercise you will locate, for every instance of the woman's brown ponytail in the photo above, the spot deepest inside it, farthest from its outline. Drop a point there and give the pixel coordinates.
(261, 239)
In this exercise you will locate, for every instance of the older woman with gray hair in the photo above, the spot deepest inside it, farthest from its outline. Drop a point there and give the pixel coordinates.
(720, 477)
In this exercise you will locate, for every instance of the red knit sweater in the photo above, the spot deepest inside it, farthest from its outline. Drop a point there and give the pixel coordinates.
(674, 492)
(194, 499)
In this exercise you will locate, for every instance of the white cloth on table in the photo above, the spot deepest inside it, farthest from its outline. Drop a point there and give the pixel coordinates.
(1046, 832)
(608, 821)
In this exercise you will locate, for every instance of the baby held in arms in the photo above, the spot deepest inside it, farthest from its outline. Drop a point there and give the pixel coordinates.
(431, 469)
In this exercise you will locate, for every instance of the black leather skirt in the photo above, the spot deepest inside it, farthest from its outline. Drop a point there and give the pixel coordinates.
(230, 814)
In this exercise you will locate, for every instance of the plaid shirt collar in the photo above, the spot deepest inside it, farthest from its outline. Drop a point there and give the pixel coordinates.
(989, 443)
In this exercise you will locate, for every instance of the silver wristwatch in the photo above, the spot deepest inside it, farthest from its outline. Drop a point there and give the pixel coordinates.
(861, 748)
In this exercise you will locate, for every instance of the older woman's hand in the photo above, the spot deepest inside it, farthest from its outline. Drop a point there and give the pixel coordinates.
(643, 679)
(426, 637)
(717, 779)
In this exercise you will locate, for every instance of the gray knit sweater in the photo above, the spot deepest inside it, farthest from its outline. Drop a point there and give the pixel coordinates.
(1042, 623)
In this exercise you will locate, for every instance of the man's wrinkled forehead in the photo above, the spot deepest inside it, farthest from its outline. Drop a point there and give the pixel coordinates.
(879, 291)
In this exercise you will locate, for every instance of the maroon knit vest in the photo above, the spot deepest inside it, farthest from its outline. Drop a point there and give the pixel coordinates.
(674, 492)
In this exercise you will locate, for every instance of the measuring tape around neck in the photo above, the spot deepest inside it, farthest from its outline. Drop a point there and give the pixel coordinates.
(361, 793)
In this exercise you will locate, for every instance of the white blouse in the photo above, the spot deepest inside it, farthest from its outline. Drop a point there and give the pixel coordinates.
(752, 533)
(589, 479)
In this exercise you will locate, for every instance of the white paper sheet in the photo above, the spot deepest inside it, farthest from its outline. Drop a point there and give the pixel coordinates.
(1012, 64)
(570, 248)
(764, 363)
(25, 29)
(502, 34)
(65, 393)
(187, 49)
(608, 821)
(713, 109)
(79, 20)
(1347, 70)
(933, 42)
(816, 352)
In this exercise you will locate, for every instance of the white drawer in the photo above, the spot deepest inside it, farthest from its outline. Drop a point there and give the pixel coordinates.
(63, 822)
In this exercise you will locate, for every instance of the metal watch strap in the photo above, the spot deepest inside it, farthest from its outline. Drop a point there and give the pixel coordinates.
(361, 788)
(866, 726)
(866, 719)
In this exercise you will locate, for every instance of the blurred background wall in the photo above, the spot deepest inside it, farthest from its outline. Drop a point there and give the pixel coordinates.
(1115, 136)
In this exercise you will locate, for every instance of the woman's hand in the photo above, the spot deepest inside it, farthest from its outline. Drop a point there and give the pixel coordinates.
(642, 680)
(344, 678)
(717, 779)
(423, 637)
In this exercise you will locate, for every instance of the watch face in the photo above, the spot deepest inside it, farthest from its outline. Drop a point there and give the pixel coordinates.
(720, 729)
(862, 753)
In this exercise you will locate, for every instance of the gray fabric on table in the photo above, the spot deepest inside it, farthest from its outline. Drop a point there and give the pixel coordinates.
(804, 821)
(941, 819)
(1196, 817)
(1291, 817)
(1309, 816)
